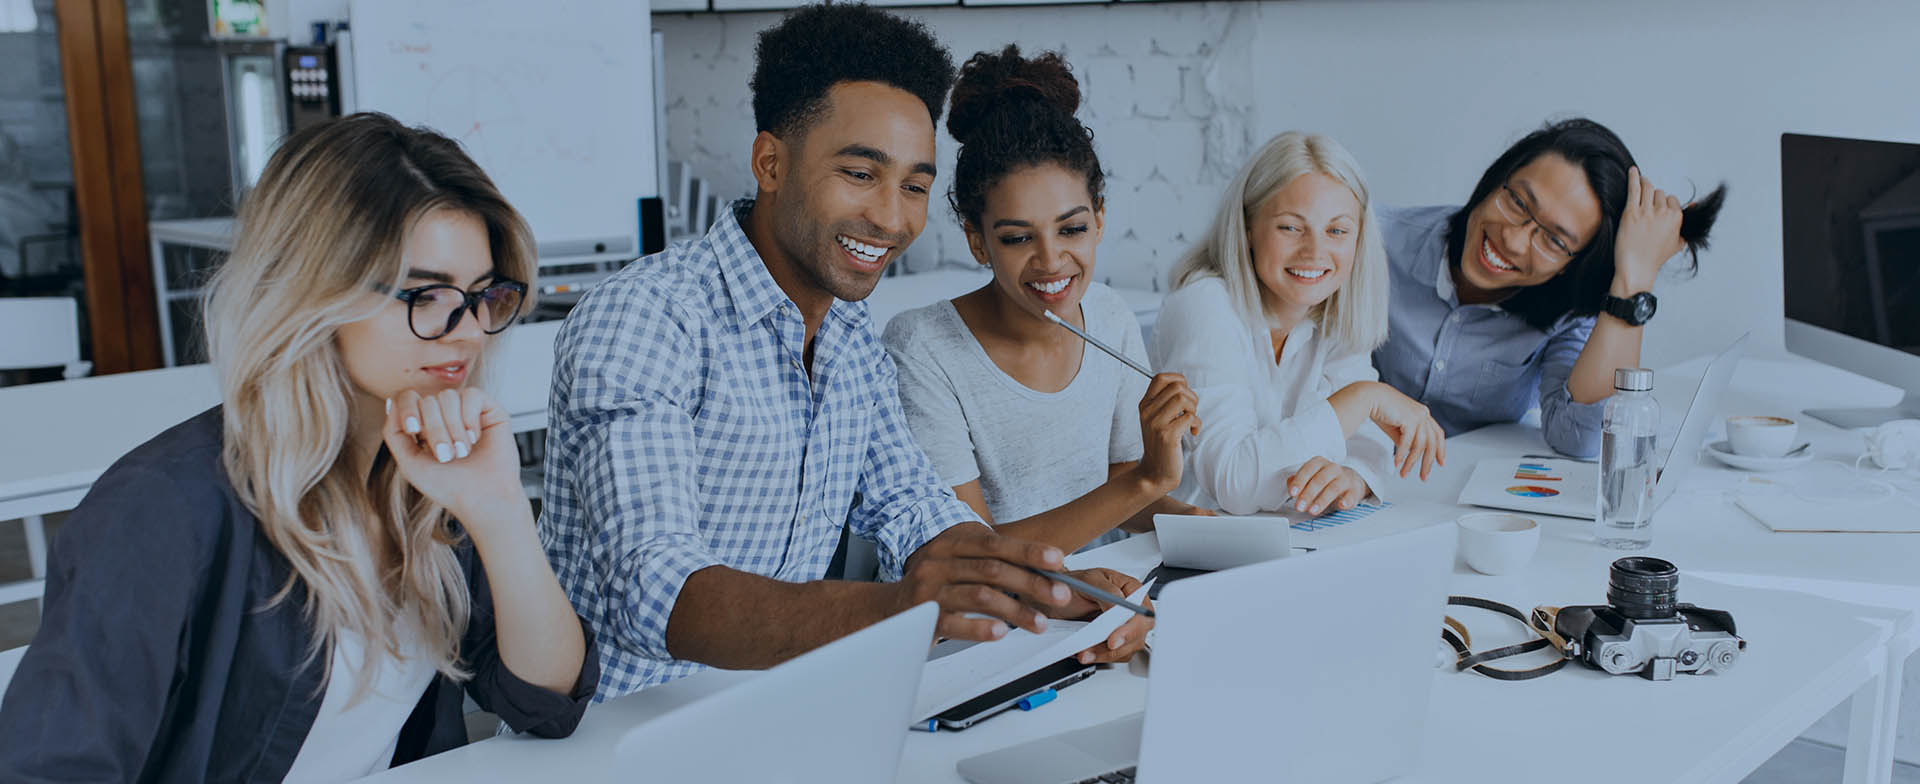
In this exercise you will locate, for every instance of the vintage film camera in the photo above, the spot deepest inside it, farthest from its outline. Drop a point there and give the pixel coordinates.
(1642, 629)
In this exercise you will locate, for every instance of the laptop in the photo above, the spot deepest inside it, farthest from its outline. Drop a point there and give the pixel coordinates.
(841, 708)
(1336, 693)
(1571, 488)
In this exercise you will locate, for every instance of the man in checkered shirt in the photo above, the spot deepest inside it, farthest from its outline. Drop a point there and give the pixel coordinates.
(718, 408)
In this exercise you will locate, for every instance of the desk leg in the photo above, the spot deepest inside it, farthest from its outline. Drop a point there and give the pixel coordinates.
(1870, 730)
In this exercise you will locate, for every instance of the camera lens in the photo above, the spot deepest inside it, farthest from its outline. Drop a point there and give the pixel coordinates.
(1643, 588)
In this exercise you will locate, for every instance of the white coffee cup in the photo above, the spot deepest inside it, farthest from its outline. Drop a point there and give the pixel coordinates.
(1495, 543)
(1760, 436)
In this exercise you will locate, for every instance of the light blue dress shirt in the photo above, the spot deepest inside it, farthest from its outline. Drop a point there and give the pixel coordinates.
(684, 432)
(1475, 365)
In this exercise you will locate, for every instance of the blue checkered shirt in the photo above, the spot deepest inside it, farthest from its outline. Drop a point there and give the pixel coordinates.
(684, 432)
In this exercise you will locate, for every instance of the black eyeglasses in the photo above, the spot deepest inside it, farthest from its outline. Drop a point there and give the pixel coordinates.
(1544, 241)
(433, 311)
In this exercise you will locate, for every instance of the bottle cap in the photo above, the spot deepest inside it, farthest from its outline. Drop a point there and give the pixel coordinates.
(1633, 379)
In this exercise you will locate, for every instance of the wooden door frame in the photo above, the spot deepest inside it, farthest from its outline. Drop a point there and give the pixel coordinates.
(103, 132)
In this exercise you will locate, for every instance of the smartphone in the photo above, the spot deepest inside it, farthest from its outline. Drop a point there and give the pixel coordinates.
(1057, 675)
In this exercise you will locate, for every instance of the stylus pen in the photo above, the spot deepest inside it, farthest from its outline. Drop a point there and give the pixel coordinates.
(1099, 345)
(1091, 592)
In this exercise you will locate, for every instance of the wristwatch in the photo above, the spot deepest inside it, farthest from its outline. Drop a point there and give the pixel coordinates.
(1635, 310)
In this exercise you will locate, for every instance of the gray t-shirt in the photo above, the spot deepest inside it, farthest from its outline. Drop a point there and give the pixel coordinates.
(1032, 451)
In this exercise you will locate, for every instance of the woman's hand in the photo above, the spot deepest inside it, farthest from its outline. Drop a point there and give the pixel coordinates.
(1417, 439)
(455, 447)
(1168, 411)
(1124, 641)
(1649, 235)
(1322, 484)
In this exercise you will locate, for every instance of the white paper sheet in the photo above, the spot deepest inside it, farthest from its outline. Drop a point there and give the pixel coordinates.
(963, 675)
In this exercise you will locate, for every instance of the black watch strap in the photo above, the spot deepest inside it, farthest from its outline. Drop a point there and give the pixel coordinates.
(1635, 310)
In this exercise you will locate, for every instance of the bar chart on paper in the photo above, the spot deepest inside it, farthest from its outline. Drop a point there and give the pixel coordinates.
(1339, 518)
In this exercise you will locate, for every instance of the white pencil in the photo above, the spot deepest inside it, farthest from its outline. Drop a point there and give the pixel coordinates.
(1097, 344)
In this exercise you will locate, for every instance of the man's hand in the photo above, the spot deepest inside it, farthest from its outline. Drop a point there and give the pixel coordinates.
(1124, 641)
(972, 571)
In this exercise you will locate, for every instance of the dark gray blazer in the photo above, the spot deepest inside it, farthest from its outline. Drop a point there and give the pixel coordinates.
(155, 662)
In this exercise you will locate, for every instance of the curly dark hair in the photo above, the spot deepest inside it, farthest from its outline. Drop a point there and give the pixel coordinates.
(1011, 112)
(818, 46)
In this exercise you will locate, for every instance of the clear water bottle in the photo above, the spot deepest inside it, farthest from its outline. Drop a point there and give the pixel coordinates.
(1627, 471)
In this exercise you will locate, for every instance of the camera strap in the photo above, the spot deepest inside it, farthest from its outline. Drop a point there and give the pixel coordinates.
(1540, 623)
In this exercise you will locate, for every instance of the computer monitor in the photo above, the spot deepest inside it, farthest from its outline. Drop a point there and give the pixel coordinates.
(1850, 238)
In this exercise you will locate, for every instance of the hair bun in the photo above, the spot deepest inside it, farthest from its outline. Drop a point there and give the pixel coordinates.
(994, 81)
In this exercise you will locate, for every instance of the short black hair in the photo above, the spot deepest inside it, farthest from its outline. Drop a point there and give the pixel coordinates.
(1010, 112)
(818, 46)
(1581, 288)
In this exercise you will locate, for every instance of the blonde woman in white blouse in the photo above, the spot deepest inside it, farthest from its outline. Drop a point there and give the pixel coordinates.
(1272, 320)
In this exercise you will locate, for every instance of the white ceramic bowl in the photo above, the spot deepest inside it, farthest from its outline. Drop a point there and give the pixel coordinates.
(1495, 543)
(1761, 436)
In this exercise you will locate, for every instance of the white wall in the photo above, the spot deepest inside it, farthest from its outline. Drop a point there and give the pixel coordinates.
(1167, 96)
(1425, 93)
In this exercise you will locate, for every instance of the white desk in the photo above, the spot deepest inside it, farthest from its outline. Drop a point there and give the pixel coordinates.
(73, 430)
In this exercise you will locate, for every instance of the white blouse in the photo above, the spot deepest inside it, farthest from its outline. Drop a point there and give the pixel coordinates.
(348, 742)
(1259, 420)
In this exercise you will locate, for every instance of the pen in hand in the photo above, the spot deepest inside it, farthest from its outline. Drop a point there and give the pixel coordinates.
(1090, 591)
(1115, 353)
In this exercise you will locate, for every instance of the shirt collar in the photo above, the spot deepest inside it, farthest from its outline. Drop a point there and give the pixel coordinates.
(751, 289)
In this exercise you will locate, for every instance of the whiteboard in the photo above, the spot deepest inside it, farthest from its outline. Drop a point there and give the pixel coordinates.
(553, 99)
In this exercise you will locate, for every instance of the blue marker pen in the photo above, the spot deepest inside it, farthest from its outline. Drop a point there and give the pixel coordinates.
(1037, 699)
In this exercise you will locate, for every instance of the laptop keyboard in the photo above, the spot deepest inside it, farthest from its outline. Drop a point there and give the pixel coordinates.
(1121, 776)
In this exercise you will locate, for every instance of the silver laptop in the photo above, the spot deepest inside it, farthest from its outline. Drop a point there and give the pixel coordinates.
(842, 708)
(1571, 488)
(1337, 692)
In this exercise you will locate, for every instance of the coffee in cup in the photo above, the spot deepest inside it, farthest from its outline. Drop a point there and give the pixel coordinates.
(1760, 436)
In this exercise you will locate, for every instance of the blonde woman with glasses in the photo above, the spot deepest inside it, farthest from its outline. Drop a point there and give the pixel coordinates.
(1271, 320)
(301, 583)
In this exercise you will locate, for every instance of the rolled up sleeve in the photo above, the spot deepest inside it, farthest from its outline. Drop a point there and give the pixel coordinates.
(627, 448)
(1571, 428)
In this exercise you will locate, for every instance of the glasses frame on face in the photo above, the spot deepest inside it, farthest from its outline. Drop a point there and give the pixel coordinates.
(470, 302)
(1543, 241)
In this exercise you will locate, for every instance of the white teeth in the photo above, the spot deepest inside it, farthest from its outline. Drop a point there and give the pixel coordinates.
(1051, 288)
(861, 250)
(1486, 247)
(1308, 274)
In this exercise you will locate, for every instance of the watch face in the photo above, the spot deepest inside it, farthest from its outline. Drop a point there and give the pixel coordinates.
(1643, 306)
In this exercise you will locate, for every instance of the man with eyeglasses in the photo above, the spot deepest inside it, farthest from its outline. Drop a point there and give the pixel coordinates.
(1537, 289)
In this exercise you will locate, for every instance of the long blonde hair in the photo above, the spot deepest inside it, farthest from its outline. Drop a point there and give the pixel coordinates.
(1356, 315)
(323, 229)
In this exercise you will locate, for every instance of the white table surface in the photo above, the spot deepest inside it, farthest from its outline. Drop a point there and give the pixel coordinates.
(1807, 653)
(62, 435)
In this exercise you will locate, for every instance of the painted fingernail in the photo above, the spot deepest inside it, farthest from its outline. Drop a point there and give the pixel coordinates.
(1050, 555)
(412, 425)
(1314, 510)
(1060, 593)
(998, 631)
(461, 450)
(1117, 642)
(1039, 625)
(389, 405)
(1086, 657)
(472, 437)
(442, 452)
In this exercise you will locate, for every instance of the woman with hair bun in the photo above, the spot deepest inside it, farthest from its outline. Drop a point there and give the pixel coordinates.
(1045, 437)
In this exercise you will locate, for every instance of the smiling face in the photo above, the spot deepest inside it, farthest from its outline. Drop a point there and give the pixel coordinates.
(382, 355)
(1303, 240)
(850, 195)
(1038, 234)
(1506, 250)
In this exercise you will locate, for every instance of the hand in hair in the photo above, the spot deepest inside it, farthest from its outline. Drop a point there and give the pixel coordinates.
(1649, 234)
(455, 447)
(1168, 411)
(1322, 484)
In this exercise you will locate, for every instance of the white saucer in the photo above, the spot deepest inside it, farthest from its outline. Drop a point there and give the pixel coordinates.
(1724, 453)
